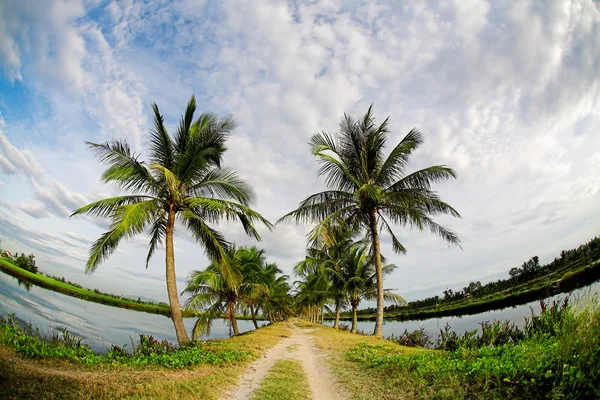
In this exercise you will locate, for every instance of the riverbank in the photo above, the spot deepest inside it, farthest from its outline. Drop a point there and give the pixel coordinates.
(57, 369)
(95, 296)
(555, 356)
(557, 282)
(49, 283)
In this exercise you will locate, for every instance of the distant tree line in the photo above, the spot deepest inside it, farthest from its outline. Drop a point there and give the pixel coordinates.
(529, 270)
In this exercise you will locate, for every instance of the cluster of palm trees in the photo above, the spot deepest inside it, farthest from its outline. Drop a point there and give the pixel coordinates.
(256, 287)
(338, 271)
(184, 180)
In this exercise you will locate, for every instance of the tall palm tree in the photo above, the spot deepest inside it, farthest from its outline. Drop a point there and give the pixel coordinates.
(369, 191)
(359, 276)
(184, 181)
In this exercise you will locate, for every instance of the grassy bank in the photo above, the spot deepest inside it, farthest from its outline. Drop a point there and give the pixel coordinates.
(556, 356)
(32, 367)
(81, 293)
(94, 296)
(527, 292)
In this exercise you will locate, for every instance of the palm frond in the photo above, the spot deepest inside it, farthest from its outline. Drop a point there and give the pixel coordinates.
(338, 175)
(205, 147)
(424, 178)
(224, 183)
(396, 245)
(124, 170)
(106, 207)
(128, 220)
(161, 146)
(395, 163)
(183, 131)
(157, 234)
(216, 210)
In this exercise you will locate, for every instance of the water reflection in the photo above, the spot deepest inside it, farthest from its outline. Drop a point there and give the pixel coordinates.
(99, 325)
(465, 323)
(26, 285)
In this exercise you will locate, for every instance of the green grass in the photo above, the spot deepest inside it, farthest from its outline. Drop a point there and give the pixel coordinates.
(560, 359)
(285, 381)
(63, 375)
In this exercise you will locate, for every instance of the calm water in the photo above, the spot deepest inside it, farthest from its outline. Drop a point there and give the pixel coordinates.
(466, 322)
(99, 325)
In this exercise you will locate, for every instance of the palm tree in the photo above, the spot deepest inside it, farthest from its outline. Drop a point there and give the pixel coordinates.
(359, 276)
(184, 181)
(329, 244)
(215, 296)
(276, 300)
(252, 264)
(369, 191)
(313, 292)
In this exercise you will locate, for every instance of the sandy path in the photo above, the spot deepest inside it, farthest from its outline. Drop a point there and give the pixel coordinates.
(299, 346)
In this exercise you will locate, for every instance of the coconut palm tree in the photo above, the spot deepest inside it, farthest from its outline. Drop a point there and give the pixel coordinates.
(370, 192)
(360, 279)
(252, 264)
(329, 244)
(215, 296)
(183, 180)
(313, 292)
(276, 300)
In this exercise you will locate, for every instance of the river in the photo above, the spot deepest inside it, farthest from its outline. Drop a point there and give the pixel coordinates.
(464, 323)
(100, 325)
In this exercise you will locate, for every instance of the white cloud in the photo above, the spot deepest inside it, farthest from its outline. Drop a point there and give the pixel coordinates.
(506, 93)
(52, 194)
(36, 210)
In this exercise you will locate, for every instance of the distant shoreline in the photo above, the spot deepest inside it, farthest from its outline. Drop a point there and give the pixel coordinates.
(536, 289)
(67, 289)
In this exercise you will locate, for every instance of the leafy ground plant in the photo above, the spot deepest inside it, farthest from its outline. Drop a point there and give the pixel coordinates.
(557, 356)
(28, 342)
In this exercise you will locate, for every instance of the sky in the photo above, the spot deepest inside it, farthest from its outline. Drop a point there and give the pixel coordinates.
(505, 92)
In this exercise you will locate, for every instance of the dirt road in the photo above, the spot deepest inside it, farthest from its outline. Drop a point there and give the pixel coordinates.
(298, 346)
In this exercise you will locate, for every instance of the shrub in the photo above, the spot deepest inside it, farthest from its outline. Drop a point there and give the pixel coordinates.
(417, 338)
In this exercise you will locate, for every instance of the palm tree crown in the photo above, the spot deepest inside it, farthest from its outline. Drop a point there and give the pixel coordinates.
(184, 180)
(370, 192)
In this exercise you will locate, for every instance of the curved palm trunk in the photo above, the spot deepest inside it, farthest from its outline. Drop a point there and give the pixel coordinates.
(375, 236)
(336, 324)
(182, 335)
(354, 318)
(253, 313)
(234, 324)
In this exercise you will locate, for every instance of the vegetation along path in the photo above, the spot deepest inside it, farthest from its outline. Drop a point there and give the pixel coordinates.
(299, 346)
